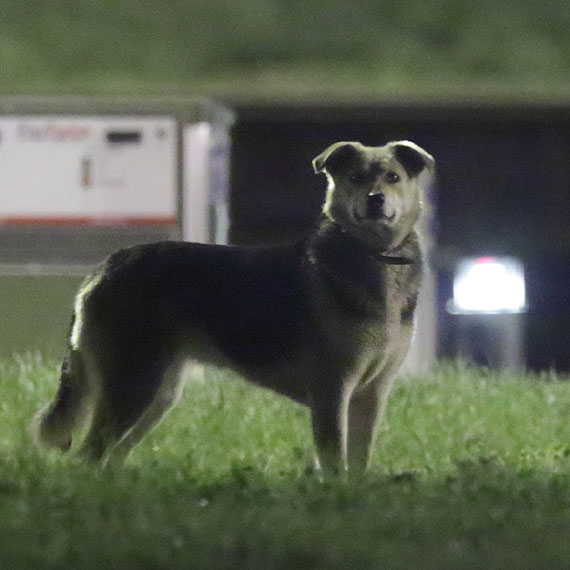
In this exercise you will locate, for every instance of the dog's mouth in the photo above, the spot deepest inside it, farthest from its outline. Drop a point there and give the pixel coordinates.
(374, 210)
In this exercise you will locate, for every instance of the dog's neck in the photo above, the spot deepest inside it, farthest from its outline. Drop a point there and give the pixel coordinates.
(407, 253)
(357, 274)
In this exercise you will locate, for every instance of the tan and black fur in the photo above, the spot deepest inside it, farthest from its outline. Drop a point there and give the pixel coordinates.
(326, 322)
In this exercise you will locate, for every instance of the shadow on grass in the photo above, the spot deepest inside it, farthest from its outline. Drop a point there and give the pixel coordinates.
(66, 515)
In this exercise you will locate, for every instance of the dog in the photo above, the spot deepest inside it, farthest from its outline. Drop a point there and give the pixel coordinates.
(326, 321)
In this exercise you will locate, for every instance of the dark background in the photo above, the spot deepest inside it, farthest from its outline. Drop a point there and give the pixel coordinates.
(502, 188)
(482, 85)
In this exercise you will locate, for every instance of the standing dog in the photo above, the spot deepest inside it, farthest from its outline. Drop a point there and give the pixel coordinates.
(326, 322)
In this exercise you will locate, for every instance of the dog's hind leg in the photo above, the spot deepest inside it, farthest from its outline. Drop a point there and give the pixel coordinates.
(167, 396)
(70, 406)
(128, 390)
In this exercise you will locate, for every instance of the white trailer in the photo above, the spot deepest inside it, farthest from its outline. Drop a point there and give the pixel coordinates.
(80, 178)
(80, 170)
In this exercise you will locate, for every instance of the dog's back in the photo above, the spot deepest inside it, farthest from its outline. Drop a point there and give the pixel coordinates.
(248, 302)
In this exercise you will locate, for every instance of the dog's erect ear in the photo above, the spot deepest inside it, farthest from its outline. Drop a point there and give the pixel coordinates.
(413, 157)
(335, 157)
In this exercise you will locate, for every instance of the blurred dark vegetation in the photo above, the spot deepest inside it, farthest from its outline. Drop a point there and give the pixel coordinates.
(277, 46)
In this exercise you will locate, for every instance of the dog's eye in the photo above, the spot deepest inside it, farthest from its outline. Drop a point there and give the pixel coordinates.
(358, 178)
(392, 177)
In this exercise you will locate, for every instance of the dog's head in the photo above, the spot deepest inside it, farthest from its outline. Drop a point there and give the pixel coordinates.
(374, 192)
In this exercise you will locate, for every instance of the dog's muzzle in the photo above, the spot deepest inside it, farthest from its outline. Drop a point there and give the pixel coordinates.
(375, 205)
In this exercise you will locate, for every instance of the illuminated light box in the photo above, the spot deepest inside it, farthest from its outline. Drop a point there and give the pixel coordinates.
(488, 285)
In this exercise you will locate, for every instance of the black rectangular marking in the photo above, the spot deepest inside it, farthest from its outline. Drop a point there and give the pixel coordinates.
(123, 137)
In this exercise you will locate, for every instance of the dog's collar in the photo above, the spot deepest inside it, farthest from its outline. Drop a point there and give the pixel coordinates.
(372, 251)
(394, 259)
(385, 258)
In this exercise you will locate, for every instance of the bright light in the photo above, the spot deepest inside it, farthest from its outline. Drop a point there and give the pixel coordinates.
(489, 285)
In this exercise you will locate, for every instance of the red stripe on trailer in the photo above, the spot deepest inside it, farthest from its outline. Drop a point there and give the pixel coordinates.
(88, 220)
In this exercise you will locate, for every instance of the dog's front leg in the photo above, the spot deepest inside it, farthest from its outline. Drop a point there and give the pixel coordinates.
(365, 411)
(362, 415)
(329, 416)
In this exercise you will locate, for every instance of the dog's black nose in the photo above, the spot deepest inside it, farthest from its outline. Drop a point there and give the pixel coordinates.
(374, 205)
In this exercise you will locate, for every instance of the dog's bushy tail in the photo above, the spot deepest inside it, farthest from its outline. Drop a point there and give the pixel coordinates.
(58, 420)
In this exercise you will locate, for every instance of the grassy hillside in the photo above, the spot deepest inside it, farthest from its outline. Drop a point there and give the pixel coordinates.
(472, 470)
(285, 47)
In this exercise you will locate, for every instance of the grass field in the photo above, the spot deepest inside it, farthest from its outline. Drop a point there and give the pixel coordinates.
(471, 470)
